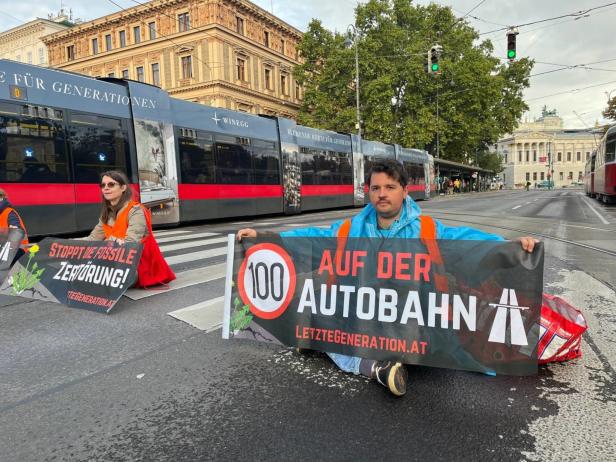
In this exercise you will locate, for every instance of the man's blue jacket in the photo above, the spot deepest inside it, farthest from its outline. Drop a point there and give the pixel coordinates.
(364, 224)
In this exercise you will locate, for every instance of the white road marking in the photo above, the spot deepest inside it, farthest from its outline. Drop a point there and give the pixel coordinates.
(206, 316)
(516, 207)
(194, 256)
(184, 279)
(170, 232)
(188, 245)
(192, 236)
(603, 220)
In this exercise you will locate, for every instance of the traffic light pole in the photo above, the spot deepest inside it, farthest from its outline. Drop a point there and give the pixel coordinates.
(437, 124)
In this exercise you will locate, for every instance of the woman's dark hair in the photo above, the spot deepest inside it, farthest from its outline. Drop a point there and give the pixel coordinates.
(108, 210)
(391, 168)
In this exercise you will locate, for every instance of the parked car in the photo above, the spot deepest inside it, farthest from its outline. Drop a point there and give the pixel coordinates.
(545, 184)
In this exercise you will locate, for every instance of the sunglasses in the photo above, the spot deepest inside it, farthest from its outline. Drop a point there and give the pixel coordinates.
(109, 185)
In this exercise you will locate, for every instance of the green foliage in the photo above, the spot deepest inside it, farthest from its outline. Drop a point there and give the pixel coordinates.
(491, 161)
(27, 278)
(480, 99)
(545, 112)
(610, 111)
(241, 317)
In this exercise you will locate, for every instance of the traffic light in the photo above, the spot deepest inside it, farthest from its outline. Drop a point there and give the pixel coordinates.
(511, 38)
(433, 60)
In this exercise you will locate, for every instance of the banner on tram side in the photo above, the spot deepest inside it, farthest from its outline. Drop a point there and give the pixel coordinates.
(10, 242)
(90, 275)
(476, 309)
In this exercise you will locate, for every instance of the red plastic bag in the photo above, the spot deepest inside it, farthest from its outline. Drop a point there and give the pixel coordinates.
(152, 269)
(561, 328)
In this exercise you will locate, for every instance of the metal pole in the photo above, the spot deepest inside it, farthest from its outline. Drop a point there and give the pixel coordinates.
(437, 124)
(357, 84)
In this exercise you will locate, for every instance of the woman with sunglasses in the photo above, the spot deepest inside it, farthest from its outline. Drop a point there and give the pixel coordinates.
(117, 203)
(124, 220)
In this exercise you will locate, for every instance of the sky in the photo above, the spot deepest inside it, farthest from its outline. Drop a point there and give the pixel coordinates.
(581, 39)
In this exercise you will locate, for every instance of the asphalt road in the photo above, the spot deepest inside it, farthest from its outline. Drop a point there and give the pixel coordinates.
(142, 385)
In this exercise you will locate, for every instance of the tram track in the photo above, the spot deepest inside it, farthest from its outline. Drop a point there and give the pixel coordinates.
(446, 215)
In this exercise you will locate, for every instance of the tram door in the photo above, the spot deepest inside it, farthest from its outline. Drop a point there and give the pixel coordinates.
(358, 172)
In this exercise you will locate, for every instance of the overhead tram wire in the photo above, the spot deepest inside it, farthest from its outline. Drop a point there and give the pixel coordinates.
(573, 90)
(578, 14)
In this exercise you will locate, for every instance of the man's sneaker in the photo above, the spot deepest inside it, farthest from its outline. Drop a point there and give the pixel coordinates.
(392, 375)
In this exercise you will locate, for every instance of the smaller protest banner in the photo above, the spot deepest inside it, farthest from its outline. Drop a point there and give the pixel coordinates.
(80, 274)
(10, 241)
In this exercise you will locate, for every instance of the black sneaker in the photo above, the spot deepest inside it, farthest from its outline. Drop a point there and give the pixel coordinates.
(391, 375)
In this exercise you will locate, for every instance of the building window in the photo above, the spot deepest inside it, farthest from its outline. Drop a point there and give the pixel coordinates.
(527, 156)
(282, 46)
(140, 76)
(519, 156)
(111, 74)
(137, 34)
(187, 67)
(561, 176)
(560, 157)
(29, 57)
(578, 156)
(534, 176)
(239, 25)
(283, 84)
(94, 46)
(183, 22)
(241, 69)
(527, 176)
(156, 74)
(108, 44)
(268, 79)
(41, 55)
(587, 155)
(580, 176)
(122, 38)
(125, 74)
(70, 52)
(266, 41)
(542, 175)
(568, 157)
(570, 177)
(152, 30)
(534, 156)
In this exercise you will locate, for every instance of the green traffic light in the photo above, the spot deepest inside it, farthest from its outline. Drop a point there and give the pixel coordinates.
(511, 54)
(434, 67)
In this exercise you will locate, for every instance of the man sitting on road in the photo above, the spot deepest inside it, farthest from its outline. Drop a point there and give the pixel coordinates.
(390, 214)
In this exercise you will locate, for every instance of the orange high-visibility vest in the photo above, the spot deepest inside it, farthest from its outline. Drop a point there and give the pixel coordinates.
(119, 228)
(4, 223)
(427, 234)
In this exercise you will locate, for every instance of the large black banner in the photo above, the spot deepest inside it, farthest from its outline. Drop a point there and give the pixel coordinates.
(81, 274)
(10, 241)
(476, 306)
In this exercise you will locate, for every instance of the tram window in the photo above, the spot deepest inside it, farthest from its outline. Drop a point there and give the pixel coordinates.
(307, 158)
(232, 161)
(32, 150)
(98, 144)
(265, 161)
(346, 168)
(610, 149)
(326, 171)
(415, 173)
(197, 159)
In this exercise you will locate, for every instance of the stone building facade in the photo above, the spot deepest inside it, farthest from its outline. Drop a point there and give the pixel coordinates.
(542, 150)
(24, 43)
(223, 53)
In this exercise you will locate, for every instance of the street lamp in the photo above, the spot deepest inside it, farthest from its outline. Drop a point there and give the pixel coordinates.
(348, 43)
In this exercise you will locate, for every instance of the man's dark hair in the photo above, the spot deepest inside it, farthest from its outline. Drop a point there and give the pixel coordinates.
(391, 168)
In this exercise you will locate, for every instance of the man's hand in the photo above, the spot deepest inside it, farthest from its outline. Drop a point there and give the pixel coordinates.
(528, 243)
(246, 232)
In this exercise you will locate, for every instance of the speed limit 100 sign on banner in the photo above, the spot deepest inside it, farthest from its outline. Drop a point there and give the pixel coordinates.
(378, 299)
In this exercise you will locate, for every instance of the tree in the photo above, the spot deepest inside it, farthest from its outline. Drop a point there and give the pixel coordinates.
(610, 111)
(545, 112)
(479, 98)
(490, 161)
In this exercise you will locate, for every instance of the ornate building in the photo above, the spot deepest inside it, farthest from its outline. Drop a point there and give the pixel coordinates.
(23, 43)
(542, 150)
(223, 53)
